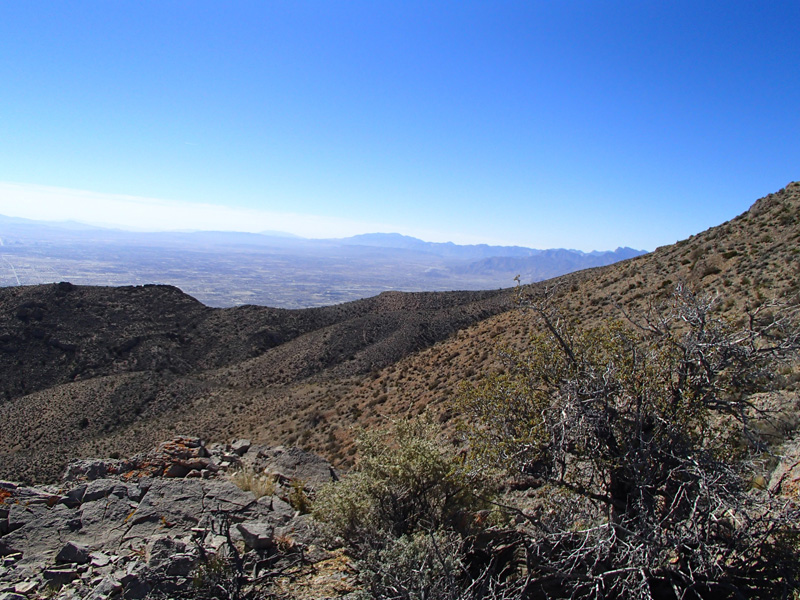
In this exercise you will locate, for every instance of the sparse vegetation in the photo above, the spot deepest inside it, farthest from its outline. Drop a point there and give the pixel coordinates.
(248, 480)
(636, 438)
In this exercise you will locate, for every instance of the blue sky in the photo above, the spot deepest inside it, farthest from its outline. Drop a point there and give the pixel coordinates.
(586, 125)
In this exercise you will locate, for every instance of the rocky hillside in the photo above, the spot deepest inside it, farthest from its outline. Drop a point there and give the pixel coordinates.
(91, 370)
(98, 371)
(752, 259)
(154, 525)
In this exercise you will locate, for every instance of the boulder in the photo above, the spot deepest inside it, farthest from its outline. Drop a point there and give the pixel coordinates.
(240, 446)
(257, 536)
(58, 577)
(295, 464)
(73, 552)
(107, 588)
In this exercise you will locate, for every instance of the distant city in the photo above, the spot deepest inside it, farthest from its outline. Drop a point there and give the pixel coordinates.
(272, 268)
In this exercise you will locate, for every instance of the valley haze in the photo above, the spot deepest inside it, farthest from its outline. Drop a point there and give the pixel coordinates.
(226, 268)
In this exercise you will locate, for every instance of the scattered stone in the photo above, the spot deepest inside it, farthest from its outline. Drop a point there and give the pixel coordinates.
(73, 552)
(257, 536)
(240, 446)
(59, 577)
(99, 559)
(26, 587)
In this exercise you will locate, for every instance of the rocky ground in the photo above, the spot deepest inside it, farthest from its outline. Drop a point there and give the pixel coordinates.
(171, 523)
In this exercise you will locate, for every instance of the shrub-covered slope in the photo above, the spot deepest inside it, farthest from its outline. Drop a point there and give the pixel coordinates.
(92, 371)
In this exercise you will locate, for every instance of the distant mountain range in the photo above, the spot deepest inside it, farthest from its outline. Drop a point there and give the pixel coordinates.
(223, 268)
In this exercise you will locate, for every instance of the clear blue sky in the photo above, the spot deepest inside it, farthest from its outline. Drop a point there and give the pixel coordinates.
(586, 125)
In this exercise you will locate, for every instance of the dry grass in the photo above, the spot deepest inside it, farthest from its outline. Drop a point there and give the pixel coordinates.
(248, 480)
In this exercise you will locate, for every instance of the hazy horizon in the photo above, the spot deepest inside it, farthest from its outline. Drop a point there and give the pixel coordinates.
(48, 220)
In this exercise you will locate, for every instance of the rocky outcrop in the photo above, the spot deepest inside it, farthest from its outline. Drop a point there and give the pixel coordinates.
(168, 522)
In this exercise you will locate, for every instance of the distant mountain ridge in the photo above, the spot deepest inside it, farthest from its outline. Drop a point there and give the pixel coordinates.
(226, 268)
(538, 267)
(446, 249)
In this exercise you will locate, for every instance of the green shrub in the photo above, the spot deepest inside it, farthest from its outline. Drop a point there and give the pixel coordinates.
(406, 481)
(414, 567)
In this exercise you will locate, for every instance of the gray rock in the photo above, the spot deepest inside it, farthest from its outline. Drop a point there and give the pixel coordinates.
(26, 587)
(91, 468)
(295, 463)
(181, 565)
(257, 536)
(59, 577)
(39, 532)
(74, 497)
(161, 550)
(20, 514)
(134, 581)
(156, 518)
(174, 506)
(99, 559)
(12, 596)
(73, 552)
(107, 588)
(104, 522)
(71, 594)
(103, 488)
(240, 446)
(275, 510)
(223, 495)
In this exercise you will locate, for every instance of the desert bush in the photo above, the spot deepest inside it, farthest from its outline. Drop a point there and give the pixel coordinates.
(405, 481)
(414, 516)
(638, 433)
(414, 567)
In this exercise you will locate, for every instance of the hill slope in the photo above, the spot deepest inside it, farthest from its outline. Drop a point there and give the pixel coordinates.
(96, 370)
(83, 365)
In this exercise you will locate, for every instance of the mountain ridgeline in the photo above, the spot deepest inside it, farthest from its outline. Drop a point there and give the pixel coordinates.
(98, 371)
(225, 269)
